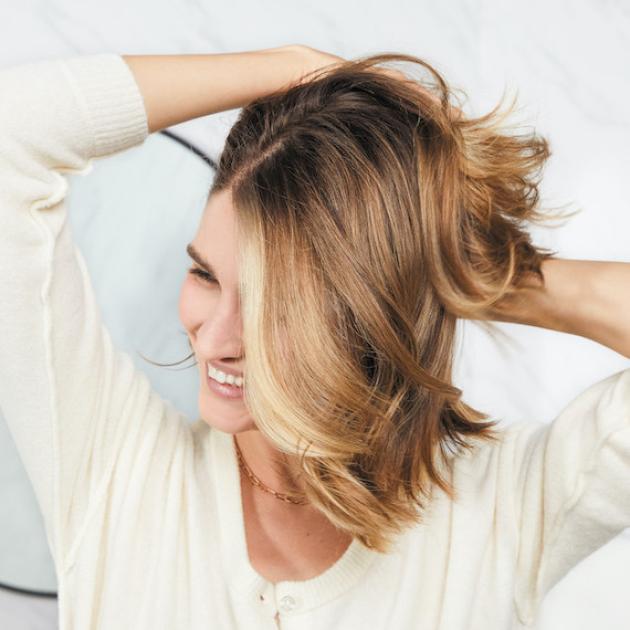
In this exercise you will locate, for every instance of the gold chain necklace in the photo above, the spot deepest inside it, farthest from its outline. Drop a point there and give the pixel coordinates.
(257, 482)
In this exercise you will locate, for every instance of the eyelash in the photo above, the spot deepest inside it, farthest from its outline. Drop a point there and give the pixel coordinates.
(206, 277)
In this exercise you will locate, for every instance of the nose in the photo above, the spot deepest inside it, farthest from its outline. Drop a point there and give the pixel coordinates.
(220, 335)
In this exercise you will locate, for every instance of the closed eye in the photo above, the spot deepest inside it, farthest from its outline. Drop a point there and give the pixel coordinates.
(205, 276)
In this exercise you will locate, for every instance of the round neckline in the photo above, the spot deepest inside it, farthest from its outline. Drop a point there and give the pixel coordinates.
(245, 582)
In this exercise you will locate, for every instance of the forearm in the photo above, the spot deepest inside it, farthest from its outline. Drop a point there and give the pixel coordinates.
(177, 88)
(582, 297)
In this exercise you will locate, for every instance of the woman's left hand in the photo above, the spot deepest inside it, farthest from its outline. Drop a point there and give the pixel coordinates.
(588, 298)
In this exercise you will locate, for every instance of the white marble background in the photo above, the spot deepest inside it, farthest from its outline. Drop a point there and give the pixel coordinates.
(569, 62)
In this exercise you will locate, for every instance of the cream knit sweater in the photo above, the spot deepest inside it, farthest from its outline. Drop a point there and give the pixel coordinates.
(142, 507)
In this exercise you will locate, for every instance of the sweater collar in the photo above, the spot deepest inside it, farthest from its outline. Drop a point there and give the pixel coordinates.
(245, 582)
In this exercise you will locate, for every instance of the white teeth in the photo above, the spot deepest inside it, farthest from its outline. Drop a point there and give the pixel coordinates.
(222, 377)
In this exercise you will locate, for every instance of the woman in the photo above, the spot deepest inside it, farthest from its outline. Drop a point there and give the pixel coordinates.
(340, 481)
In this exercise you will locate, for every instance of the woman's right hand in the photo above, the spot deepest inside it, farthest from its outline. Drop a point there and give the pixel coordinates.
(314, 60)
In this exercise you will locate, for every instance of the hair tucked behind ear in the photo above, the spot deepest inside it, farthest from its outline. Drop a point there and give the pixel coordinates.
(371, 215)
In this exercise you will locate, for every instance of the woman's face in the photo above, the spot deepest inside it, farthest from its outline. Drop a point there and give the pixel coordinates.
(209, 310)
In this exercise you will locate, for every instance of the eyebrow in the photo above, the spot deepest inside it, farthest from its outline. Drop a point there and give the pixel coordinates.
(199, 259)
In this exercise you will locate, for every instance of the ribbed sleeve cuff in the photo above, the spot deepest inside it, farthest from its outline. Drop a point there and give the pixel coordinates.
(111, 99)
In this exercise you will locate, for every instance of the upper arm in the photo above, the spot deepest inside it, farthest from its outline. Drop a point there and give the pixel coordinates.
(70, 398)
(572, 487)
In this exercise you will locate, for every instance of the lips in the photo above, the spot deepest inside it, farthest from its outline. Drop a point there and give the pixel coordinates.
(224, 390)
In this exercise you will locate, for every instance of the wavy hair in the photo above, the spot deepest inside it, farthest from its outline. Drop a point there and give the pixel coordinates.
(371, 215)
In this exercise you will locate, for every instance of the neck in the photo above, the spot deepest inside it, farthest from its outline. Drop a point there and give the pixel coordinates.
(266, 462)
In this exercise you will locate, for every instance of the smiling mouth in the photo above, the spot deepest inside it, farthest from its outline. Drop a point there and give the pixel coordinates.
(224, 378)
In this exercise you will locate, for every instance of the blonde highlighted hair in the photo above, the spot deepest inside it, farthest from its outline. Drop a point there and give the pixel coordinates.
(371, 215)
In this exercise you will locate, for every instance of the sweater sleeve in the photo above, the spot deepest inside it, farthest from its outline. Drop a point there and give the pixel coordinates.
(65, 392)
(572, 487)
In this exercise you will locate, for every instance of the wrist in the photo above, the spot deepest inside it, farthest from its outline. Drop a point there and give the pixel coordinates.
(282, 66)
(551, 304)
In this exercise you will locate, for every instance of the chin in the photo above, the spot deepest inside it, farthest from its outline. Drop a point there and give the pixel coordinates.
(226, 420)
